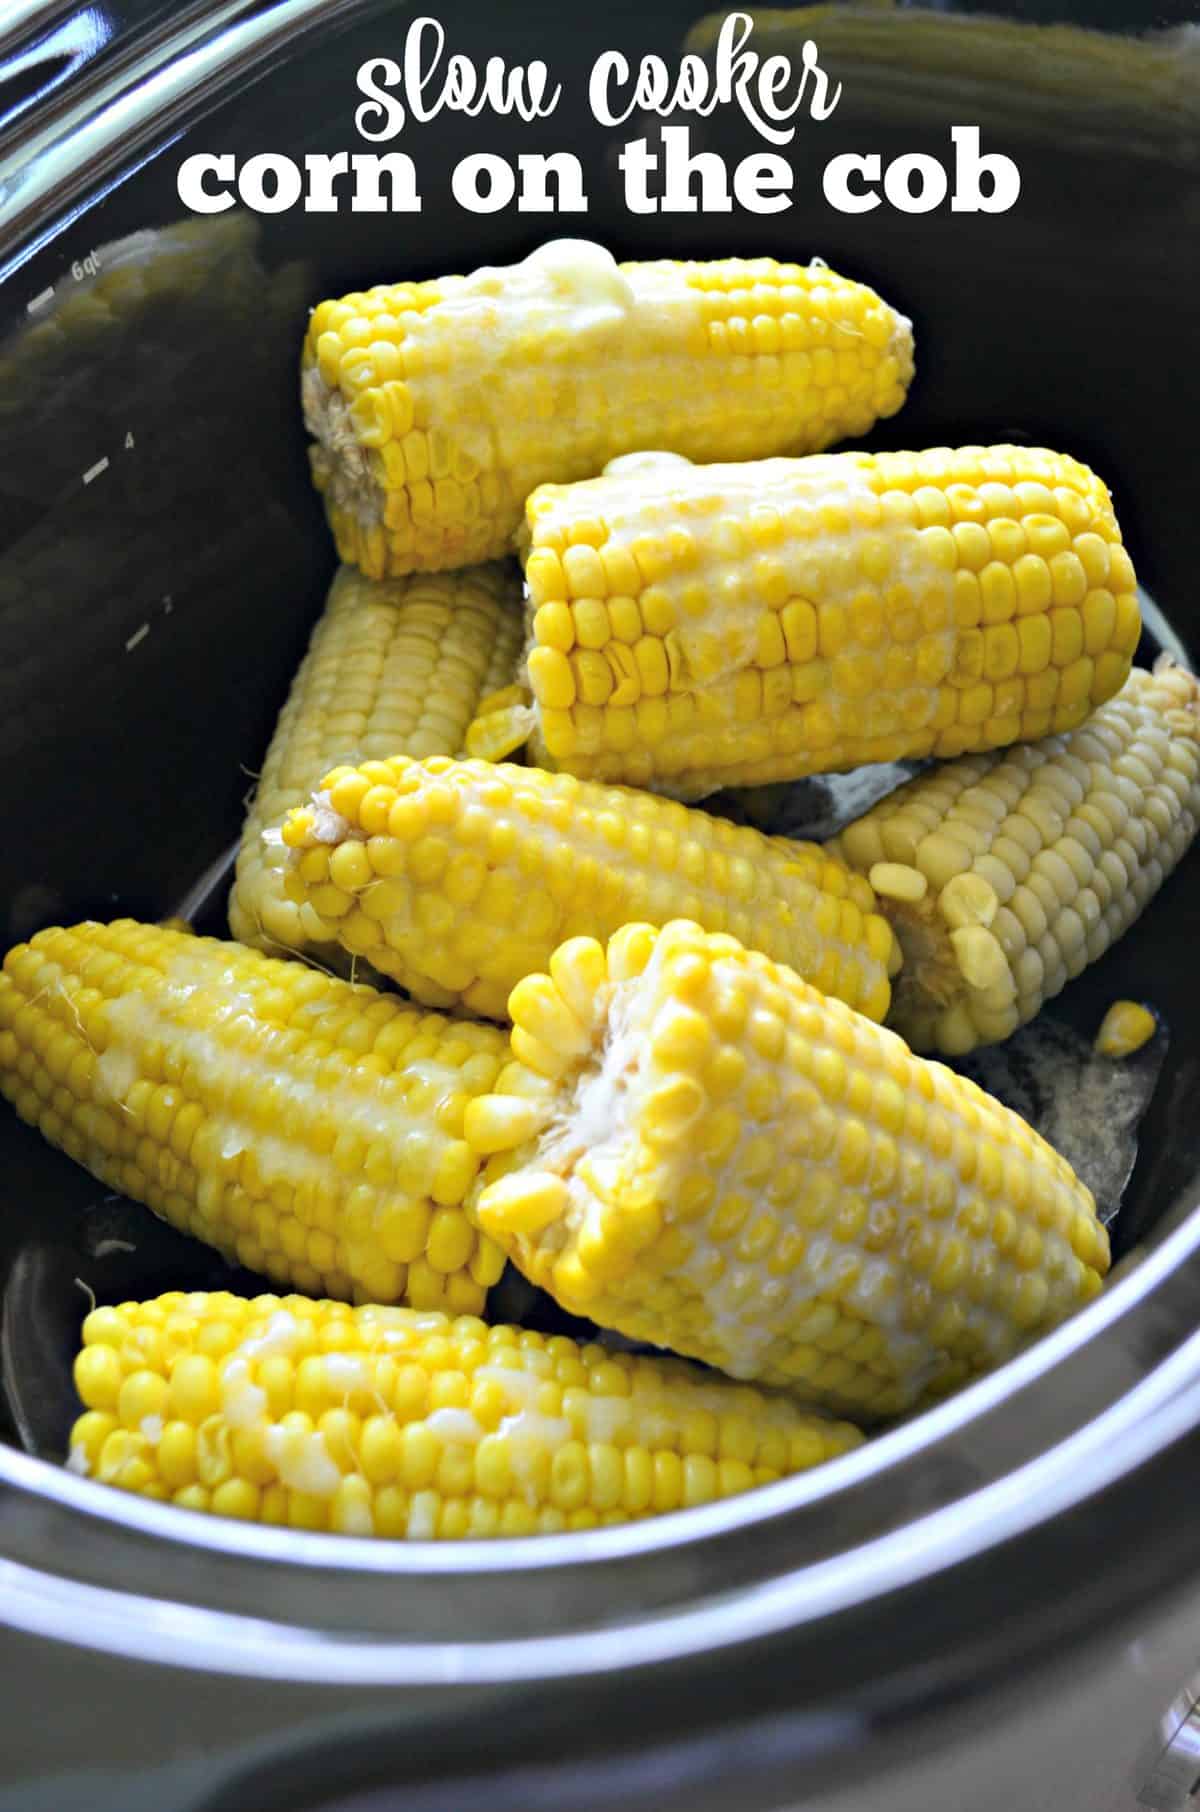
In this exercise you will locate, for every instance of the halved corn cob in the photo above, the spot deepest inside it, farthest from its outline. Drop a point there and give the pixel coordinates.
(392, 667)
(439, 406)
(459, 878)
(382, 1421)
(697, 1148)
(1005, 875)
(1074, 87)
(700, 627)
(307, 1128)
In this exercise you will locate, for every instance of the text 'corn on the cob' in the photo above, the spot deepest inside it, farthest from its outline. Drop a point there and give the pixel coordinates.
(393, 667)
(1005, 875)
(459, 878)
(383, 1421)
(695, 627)
(309, 1129)
(697, 1148)
(438, 407)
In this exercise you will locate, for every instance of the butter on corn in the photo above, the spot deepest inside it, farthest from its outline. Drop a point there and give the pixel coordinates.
(1005, 875)
(383, 1421)
(692, 628)
(306, 1128)
(393, 667)
(459, 878)
(695, 1147)
(437, 407)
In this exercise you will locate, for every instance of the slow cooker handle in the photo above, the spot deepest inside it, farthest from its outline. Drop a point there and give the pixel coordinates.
(45, 45)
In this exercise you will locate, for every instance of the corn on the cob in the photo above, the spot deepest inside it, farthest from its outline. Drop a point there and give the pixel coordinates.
(1005, 875)
(393, 667)
(383, 1421)
(700, 627)
(697, 1148)
(438, 407)
(309, 1129)
(459, 878)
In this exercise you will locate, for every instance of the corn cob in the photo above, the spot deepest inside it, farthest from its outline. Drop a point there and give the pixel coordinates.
(1005, 875)
(392, 667)
(382, 1421)
(695, 1147)
(309, 1129)
(459, 878)
(437, 407)
(694, 628)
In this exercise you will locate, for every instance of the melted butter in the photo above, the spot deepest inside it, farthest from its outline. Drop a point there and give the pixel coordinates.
(213, 1027)
(242, 1402)
(281, 1335)
(457, 1425)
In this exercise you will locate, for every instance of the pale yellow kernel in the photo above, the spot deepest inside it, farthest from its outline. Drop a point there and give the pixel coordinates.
(967, 899)
(501, 1122)
(898, 881)
(98, 1376)
(526, 1202)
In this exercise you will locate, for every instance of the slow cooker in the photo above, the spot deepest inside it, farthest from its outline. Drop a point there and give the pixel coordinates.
(993, 1606)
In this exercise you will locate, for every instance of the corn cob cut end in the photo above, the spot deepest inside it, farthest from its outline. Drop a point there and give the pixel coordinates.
(397, 665)
(379, 1421)
(438, 407)
(685, 1149)
(1004, 875)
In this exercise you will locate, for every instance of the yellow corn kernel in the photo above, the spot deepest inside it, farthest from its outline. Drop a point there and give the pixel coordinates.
(1125, 1028)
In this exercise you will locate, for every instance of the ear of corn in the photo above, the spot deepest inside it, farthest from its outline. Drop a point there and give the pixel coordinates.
(307, 1128)
(461, 877)
(695, 1147)
(1078, 88)
(438, 407)
(1005, 875)
(730, 625)
(392, 667)
(382, 1421)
